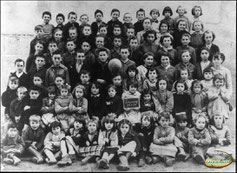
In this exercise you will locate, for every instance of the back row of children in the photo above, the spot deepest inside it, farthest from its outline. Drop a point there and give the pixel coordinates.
(151, 103)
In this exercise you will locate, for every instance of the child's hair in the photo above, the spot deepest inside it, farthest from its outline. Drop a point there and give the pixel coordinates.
(59, 75)
(55, 124)
(133, 83)
(65, 86)
(186, 35)
(84, 15)
(193, 9)
(184, 51)
(60, 15)
(51, 41)
(34, 88)
(166, 23)
(84, 72)
(19, 60)
(217, 113)
(125, 121)
(102, 49)
(57, 52)
(182, 69)
(13, 78)
(80, 120)
(159, 79)
(81, 87)
(86, 25)
(51, 90)
(102, 26)
(208, 32)
(218, 76)
(38, 27)
(195, 83)
(208, 69)
(146, 91)
(147, 54)
(116, 74)
(217, 55)
(96, 84)
(200, 115)
(165, 54)
(154, 10)
(132, 38)
(114, 10)
(181, 20)
(118, 37)
(46, 13)
(11, 126)
(140, 10)
(41, 55)
(196, 22)
(182, 117)
(146, 18)
(151, 69)
(98, 11)
(93, 120)
(167, 9)
(132, 68)
(205, 48)
(39, 76)
(166, 35)
(182, 82)
(185, 11)
(147, 115)
(40, 42)
(35, 117)
(166, 115)
(22, 88)
(107, 119)
(112, 86)
(72, 13)
(146, 34)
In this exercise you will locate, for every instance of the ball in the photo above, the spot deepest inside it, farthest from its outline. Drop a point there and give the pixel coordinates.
(115, 65)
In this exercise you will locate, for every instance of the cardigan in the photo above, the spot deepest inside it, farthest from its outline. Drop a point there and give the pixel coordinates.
(200, 138)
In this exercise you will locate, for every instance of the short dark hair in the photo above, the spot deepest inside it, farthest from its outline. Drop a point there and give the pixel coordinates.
(151, 69)
(98, 11)
(72, 13)
(217, 55)
(60, 15)
(167, 9)
(148, 54)
(19, 60)
(132, 68)
(196, 82)
(140, 10)
(51, 89)
(208, 69)
(207, 32)
(11, 125)
(145, 35)
(156, 11)
(166, 35)
(55, 124)
(166, 115)
(46, 13)
(57, 52)
(34, 88)
(132, 83)
(182, 82)
(115, 10)
(193, 9)
(38, 27)
(102, 49)
(164, 22)
(102, 26)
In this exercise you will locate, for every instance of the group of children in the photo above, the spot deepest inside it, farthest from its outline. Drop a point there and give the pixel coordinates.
(155, 90)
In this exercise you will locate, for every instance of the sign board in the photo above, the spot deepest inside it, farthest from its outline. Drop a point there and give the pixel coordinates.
(131, 103)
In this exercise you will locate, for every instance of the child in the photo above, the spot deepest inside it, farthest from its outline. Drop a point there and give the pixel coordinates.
(196, 37)
(38, 81)
(199, 138)
(147, 103)
(117, 31)
(96, 102)
(167, 13)
(90, 57)
(147, 26)
(130, 32)
(163, 141)
(74, 36)
(140, 15)
(198, 99)
(177, 34)
(218, 97)
(84, 19)
(132, 76)
(12, 145)
(52, 47)
(145, 132)
(114, 104)
(204, 64)
(60, 18)
(48, 108)
(85, 81)
(127, 18)
(57, 36)
(89, 147)
(135, 53)
(87, 35)
(162, 30)
(34, 139)
(39, 32)
(56, 68)
(182, 101)
(185, 40)
(117, 81)
(63, 107)
(128, 142)
(98, 22)
(154, 13)
(108, 138)
(69, 56)
(80, 103)
(181, 11)
(103, 32)
(207, 81)
(197, 13)
(58, 83)
(117, 43)
(115, 13)
(151, 81)
(47, 27)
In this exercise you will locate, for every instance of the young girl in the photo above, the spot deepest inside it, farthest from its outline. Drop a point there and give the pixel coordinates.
(181, 11)
(117, 81)
(197, 34)
(163, 139)
(147, 103)
(114, 104)
(177, 34)
(128, 142)
(150, 82)
(207, 81)
(163, 29)
(58, 82)
(80, 103)
(146, 22)
(132, 76)
(85, 81)
(196, 12)
(218, 97)
(167, 13)
(108, 137)
(63, 107)
(199, 138)
(57, 36)
(198, 99)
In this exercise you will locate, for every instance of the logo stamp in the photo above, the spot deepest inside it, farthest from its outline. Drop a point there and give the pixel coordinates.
(220, 159)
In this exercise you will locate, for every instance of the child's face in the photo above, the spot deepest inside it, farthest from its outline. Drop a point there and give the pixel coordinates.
(217, 61)
(180, 87)
(164, 122)
(98, 17)
(21, 94)
(200, 123)
(12, 132)
(165, 60)
(39, 33)
(59, 20)
(72, 33)
(152, 75)
(182, 124)
(59, 81)
(109, 125)
(84, 78)
(167, 42)
(131, 73)
(163, 28)
(71, 46)
(117, 31)
(80, 57)
(185, 40)
(103, 31)
(124, 53)
(140, 15)
(147, 24)
(147, 97)
(99, 42)
(218, 120)
(52, 47)
(130, 32)
(117, 80)
(34, 124)
(182, 25)
(92, 127)
(197, 89)
(132, 89)
(111, 92)
(115, 15)
(184, 74)
(46, 18)
(86, 30)
(124, 128)
(181, 11)
(57, 58)
(133, 44)
(85, 46)
(64, 92)
(150, 38)
(39, 62)
(34, 94)
(56, 130)
(37, 81)
(154, 15)
(162, 85)
(197, 26)
(219, 83)
(20, 66)
(127, 18)
(146, 121)
(84, 19)
(197, 12)
(117, 42)
(39, 47)
(185, 57)
(204, 55)
(167, 14)
(79, 93)
(58, 35)
(94, 90)
(72, 18)
(149, 60)
(208, 75)
(51, 96)
(103, 56)
(208, 38)
(77, 125)
(13, 85)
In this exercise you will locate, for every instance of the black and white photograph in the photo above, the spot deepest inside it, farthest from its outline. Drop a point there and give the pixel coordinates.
(110, 86)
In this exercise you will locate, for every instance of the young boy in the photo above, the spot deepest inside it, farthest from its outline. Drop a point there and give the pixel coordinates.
(12, 146)
(87, 35)
(89, 54)
(84, 19)
(47, 27)
(70, 55)
(73, 36)
(140, 14)
(85, 81)
(34, 139)
(60, 18)
(115, 13)
(135, 53)
(56, 68)
(52, 47)
(38, 36)
(130, 32)
(127, 18)
(103, 32)
(39, 82)
(154, 13)
(117, 43)
(58, 35)
(95, 25)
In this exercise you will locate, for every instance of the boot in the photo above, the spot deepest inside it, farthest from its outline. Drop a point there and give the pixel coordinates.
(8, 161)
(123, 166)
(141, 161)
(38, 159)
(156, 159)
(64, 161)
(148, 160)
(199, 158)
(169, 161)
(181, 155)
(102, 163)
(85, 160)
